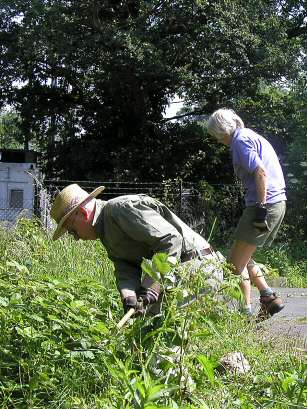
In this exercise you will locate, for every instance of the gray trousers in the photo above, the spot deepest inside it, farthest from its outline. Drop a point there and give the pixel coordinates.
(208, 266)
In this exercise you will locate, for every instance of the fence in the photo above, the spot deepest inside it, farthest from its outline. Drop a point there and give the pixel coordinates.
(211, 210)
(11, 210)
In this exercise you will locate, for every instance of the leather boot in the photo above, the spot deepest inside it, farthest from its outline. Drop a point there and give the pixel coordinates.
(269, 305)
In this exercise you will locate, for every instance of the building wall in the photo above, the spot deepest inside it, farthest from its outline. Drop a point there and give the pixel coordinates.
(16, 190)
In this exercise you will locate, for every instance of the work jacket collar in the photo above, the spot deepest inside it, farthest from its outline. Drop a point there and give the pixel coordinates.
(98, 216)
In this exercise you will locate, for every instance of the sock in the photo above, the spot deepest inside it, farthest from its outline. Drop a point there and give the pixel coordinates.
(267, 292)
(248, 309)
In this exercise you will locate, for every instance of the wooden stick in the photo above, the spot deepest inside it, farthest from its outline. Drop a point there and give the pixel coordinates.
(125, 318)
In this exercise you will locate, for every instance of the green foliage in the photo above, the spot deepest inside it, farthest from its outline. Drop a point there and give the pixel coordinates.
(286, 261)
(278, 112)
(59, 346)
(270, 111)
(213, 210)
(208, 367)
(290, 385)
(297, 163)
(158, 266)
(92, 79)
(10, 130)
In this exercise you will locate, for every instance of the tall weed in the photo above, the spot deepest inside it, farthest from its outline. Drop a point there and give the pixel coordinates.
(60, 347)
(286, 261)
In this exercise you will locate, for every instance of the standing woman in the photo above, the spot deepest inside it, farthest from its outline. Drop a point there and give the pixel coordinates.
(255, 162)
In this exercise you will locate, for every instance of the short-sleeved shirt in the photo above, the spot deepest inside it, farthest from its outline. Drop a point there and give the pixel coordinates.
(134, 227)
(249, 151)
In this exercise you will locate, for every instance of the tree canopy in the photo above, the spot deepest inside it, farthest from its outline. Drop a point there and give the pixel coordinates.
(91, 79)
(10, 132)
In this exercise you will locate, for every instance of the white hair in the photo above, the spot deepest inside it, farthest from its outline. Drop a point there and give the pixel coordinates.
(224, 122)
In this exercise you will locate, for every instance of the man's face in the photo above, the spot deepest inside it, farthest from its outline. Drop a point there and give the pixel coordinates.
(80, 226)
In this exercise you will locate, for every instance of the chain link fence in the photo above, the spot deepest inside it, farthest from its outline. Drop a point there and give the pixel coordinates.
(211, 210)
(12, 209)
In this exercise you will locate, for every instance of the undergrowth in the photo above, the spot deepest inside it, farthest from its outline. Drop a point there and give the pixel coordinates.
(60, 347)
(285, 261)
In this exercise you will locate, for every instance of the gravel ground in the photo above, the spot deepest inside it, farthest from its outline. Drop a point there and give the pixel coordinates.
(291, 322)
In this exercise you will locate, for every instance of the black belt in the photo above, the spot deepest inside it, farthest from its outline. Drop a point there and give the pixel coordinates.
(194, 254)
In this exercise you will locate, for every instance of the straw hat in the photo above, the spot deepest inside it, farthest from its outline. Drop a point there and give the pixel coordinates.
(68, 200)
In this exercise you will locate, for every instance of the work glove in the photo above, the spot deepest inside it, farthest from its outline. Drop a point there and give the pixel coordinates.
(133, 302)
(260, 221)
(150, 295)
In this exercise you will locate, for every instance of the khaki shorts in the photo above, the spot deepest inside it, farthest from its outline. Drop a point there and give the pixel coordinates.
(245, 230)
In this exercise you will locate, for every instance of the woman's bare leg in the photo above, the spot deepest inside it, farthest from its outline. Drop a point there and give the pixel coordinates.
(240, 254)
(257, 276)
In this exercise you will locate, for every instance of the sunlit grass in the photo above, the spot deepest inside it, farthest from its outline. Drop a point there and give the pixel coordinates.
(60, 348)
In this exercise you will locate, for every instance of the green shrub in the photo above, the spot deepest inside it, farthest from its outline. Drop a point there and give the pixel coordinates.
(286, 262)
(60, 347)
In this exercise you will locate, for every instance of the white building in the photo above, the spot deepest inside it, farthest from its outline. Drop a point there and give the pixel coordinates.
(17, 186)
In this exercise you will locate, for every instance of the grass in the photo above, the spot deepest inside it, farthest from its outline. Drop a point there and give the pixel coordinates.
(60, 348)
(283, 260)
(286, 261)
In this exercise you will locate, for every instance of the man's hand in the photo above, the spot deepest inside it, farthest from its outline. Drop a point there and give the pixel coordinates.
(150, 295)
(260, 221)
(133, 302)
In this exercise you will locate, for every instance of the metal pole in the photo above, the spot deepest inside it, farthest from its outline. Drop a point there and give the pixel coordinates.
(180, 193)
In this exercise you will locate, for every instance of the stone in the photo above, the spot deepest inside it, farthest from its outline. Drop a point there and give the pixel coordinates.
(235, 362)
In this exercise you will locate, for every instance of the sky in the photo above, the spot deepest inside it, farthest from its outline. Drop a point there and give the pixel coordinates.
(174, 106)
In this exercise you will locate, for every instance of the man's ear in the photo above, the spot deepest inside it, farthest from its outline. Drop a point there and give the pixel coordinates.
(85, 212)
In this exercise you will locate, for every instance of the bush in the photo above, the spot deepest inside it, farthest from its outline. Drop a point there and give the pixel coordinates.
(60, 348)
(286, 261)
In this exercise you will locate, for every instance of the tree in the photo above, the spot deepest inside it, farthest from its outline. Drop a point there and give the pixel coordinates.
(10, 131)
(91, 79)
(279, 113)
(297, 152)
(297, 163)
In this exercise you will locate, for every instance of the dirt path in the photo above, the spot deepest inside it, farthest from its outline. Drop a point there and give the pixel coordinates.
(292, 320)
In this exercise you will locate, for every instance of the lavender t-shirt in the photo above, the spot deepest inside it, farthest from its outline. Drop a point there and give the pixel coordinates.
(250, 150)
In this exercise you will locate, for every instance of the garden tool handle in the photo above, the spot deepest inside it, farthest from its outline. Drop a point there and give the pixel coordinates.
(125, 318)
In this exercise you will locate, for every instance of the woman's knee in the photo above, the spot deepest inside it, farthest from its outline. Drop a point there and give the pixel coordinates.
(240, 255)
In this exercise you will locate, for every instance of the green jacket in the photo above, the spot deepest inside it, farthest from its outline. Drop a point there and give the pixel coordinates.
(134, 227)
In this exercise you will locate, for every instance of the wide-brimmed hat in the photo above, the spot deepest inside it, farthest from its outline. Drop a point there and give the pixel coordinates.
(68, 200)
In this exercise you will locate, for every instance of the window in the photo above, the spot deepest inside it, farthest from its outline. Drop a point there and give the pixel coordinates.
(16, 199)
